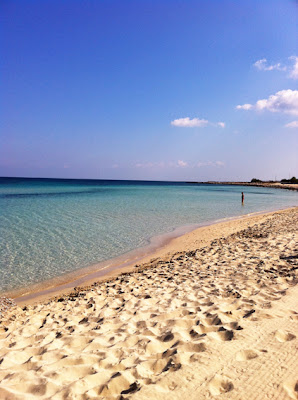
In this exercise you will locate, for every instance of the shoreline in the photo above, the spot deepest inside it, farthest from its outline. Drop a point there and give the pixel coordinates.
(217, 317)
(160, 248)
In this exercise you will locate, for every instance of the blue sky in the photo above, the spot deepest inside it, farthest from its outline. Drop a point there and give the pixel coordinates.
(149, 89)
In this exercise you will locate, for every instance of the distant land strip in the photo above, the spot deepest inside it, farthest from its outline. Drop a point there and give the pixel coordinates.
(276, 185)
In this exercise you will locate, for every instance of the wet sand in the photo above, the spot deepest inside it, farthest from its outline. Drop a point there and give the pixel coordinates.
(160, 248)
(212, 315)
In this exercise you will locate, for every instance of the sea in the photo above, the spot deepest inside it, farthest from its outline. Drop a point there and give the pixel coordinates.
(52, 227)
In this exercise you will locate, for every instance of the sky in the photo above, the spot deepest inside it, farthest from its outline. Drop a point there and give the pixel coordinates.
(149, 90)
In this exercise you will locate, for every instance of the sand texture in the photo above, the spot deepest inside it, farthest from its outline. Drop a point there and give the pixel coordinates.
(216, 322)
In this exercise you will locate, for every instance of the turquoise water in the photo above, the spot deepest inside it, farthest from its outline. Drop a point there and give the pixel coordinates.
(52, 227)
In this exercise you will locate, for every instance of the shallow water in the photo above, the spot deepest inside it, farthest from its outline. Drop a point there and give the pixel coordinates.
(52, 227)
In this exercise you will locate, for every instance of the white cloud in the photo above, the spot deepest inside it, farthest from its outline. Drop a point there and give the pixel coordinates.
(263, 66)
(221, 124)
(179, 164)
(194, 123)
(285, 101)
(182, 163)
(219, 163)
(294, 70)
(189, 123)
(210, 164)
(245, 107)
(293, 124)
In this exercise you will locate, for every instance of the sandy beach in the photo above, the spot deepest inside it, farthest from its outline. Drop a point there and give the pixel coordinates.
(212, 314)
(149, 200)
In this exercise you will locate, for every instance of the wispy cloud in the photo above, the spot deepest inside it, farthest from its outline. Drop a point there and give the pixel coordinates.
(179, 164)
(221, 124)
(210, 164)
(264, 66)
(182, 163)
(219, 163)
(293, 124)
(291, 67)
(294, 69)
(160, 164)
(245, 107)
(285, 101)
(194, 123)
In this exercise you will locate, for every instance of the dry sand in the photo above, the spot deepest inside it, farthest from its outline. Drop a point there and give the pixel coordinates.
(214, 320)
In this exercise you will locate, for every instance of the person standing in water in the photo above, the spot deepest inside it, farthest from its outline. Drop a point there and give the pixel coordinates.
(242, 197)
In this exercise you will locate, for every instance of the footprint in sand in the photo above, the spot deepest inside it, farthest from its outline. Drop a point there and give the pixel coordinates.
(192, 347)
(220, 384)
(119, 384)
(245, 355)
(283, 336)
(211, 319)
(223, 335)
(145, 369)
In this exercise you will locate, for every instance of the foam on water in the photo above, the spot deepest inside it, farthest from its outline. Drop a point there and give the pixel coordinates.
(52, 227)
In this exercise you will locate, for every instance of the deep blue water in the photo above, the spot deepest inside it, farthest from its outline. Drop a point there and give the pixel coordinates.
(49, 227)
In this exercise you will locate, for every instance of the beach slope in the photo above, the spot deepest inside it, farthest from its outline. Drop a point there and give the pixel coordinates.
(216, 321)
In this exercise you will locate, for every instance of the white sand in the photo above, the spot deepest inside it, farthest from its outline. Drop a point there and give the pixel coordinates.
(212, 322)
